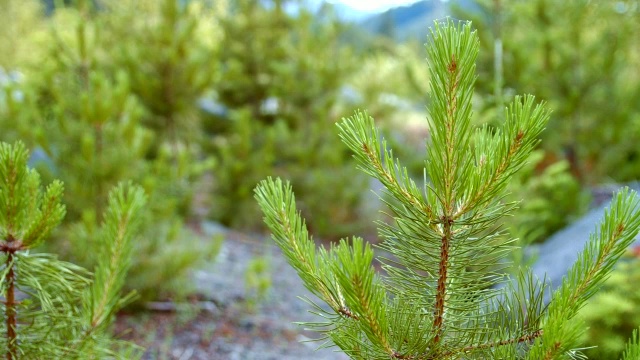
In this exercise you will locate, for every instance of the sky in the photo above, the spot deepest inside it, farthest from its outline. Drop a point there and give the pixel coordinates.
(373, 5)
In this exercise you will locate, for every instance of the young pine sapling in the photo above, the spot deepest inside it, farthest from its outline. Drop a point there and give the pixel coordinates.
(53, 309)
(445, 293)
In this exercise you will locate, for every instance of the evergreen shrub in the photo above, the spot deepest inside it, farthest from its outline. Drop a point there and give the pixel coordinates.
(429, 303)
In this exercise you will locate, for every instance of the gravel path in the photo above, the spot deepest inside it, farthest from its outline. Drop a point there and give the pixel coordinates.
(226, 328)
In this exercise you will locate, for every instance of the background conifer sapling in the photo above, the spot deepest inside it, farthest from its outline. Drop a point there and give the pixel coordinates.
(53, 309)
(429, 304)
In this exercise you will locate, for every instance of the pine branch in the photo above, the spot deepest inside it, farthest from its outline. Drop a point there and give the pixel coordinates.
(361, 136)
(362, 291)
(121, 223)
(48, 322)
(289, 231)
(524, 123)
(522, 339)
(617, 231)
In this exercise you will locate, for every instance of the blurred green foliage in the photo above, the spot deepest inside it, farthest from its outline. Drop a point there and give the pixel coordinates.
(257, 281)
(582, 57)
(21, 26)
(613, 314)
(281, 81)
(85, 106)
(246, 151)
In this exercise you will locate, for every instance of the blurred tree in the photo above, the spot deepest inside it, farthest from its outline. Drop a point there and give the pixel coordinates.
(20, 22)
(83, 113)
(168, 50)
(246, 152)
(278, 64)
(582, 57)
(175, 66)
(21, 27)
(282, 75)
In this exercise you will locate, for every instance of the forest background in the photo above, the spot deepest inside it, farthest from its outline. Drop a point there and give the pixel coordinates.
(197, 101)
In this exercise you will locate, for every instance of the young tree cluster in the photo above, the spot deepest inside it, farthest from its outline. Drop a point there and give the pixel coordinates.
(111, 102)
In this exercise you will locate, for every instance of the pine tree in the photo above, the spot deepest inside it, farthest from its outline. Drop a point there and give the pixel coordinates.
(54, 309)
(282, 85)
(164, 48)
(429, 304)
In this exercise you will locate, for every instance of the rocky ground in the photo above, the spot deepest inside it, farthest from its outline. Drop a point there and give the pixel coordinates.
(222, 323)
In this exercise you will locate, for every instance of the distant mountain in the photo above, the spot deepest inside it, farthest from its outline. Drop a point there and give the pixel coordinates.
(405, 22)
(411, 21)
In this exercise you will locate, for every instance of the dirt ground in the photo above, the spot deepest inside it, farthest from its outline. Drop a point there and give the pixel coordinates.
(222, 321)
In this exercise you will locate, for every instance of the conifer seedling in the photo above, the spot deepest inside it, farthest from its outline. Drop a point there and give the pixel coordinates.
(53, 309)
(444, 293)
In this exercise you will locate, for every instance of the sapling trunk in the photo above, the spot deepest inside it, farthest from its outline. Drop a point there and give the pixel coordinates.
(10, 311)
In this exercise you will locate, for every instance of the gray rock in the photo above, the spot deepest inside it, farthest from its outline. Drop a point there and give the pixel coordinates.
(558, 254)
(212, 107)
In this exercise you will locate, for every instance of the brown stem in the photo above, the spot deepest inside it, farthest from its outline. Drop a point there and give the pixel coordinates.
(441, 291)
(10, 310)
(446, 219)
